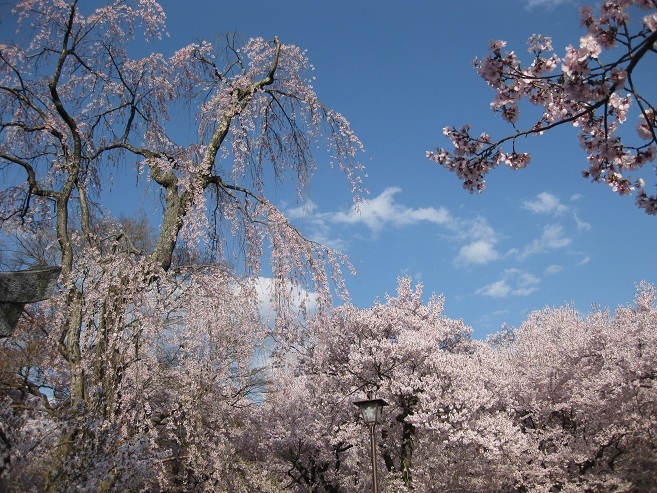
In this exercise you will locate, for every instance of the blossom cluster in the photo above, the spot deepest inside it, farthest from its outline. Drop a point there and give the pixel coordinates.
(155, 322)
(563, 402)
(590, 87)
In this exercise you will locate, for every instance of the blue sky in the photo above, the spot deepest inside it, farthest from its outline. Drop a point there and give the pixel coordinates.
(402, 70)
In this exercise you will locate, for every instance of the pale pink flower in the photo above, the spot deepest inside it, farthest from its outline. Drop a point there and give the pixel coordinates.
(539, 43)
(497, 45)
(589, 46)
(643, 128)
(587, 15)
(651, 22)
(620, 105)
(516, 160)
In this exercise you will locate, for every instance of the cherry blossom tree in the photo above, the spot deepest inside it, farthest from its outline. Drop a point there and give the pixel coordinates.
(33, 380)
(596, 87)
(439, 432)
(584, 396)
(564, 403)
(158, 336)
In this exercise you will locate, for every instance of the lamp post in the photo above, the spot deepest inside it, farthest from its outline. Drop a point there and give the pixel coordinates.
(371, 409)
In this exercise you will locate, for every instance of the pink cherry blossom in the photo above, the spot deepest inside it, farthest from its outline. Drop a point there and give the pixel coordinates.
(595, 91)
(565, 401)
(156, 323)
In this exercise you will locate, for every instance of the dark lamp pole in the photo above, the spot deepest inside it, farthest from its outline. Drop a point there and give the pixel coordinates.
(371, 410)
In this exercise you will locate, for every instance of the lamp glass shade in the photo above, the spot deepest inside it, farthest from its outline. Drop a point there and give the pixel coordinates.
(371, 410)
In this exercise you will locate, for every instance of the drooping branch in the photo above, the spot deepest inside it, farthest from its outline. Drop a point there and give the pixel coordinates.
(177, 201)
(241, 97)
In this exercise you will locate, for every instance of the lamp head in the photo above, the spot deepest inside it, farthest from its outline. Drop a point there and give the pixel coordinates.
(371, 409)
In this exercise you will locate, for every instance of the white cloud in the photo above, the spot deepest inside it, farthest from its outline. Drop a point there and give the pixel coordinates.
(581, 225)
(549, 4)
(309, 219)
(377, 214)
(478, 252)
(476, 237)
(480, 239)
(417, 276)
(553, 269)
(499, 289)
(545, 203)
(300, 297)
(553, 237)
(584, 261)
(514, 282)
(382, 211)
(304, 211)
(477, 229)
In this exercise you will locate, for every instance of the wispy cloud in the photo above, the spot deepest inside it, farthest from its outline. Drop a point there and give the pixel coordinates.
(514, 282)
(581, 225)
(382, 211)
(549, 204)
(473, 229)
(545, 203)
(377, 214)
(315, 225)
(478, 239)
(478, 252)
(417, 275)
(584, 261)
(553, 238)
(300, 297)
(549, 4)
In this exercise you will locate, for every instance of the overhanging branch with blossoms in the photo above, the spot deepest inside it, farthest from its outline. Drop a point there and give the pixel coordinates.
(594, 90)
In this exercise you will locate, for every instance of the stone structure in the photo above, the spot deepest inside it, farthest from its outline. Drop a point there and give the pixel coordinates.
(22, 287)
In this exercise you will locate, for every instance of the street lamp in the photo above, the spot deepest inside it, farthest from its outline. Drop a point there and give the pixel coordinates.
(371, 409)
